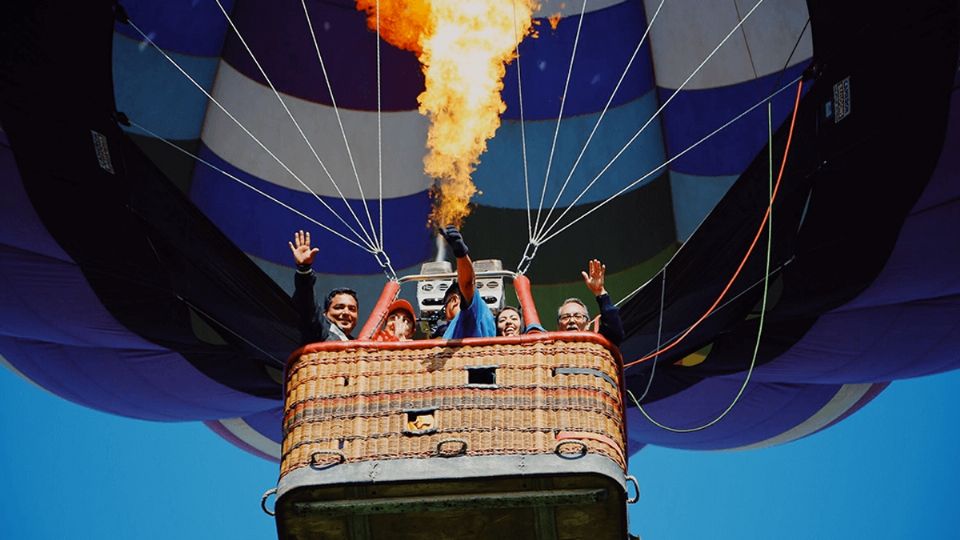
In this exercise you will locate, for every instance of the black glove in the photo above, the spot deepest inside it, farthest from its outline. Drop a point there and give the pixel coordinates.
(455, 240)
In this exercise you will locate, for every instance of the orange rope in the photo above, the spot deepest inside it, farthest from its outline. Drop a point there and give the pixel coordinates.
(766, 216)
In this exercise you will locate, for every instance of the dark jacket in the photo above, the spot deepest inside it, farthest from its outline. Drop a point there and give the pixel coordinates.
(611, 327)
(313, 324)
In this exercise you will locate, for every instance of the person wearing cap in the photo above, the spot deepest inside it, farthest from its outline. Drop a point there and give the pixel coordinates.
(340, 307)
(467, 313)
(399, 323)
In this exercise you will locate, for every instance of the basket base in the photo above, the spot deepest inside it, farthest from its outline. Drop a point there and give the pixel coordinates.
(528, 506)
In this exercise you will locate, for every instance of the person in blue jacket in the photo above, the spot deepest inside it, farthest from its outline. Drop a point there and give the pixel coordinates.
(467, 313)
(573, 315)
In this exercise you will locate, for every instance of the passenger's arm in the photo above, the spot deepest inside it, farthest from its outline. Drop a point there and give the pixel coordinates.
(611, 327)
(304, 297)
(466, 278)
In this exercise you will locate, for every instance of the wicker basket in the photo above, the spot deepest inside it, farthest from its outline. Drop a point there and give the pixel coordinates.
(349, 402)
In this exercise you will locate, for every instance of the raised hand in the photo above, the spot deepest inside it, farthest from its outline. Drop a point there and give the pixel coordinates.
(399, 327)
(302, 253)
(455, 240)
(594, 280)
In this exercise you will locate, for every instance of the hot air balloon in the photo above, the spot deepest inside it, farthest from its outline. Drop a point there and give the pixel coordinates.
(146, 282)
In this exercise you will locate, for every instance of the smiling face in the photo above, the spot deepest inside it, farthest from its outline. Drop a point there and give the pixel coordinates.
(343, 312)
(508, 322)
(572, 316)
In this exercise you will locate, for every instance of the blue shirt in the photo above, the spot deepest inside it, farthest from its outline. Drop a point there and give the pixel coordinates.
(475, 321)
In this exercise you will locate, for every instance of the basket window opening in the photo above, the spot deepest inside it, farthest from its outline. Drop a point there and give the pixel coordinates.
(482, 375)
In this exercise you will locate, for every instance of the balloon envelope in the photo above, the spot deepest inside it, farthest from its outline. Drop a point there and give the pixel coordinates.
(144, 283)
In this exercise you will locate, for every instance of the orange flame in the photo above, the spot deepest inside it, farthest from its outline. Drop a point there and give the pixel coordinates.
(463, 47)
(554, 20)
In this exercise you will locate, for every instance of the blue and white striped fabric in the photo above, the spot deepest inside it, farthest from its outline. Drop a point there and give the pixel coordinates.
(771, 48)
(198, 38)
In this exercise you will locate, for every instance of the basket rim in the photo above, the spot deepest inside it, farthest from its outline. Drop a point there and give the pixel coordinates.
(526, 339)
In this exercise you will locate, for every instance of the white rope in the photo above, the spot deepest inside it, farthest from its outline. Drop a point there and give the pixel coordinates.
(596, 125)
(653, 117)
(223, 109)
(556, 131)
(336, 112)
(763, 308)
(247, 185)
(523, 131)
(664, 164)
(295, 123)
(379, 133)
(704, 218)
(653, 369)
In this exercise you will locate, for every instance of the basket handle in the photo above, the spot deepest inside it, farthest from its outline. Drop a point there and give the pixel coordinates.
(263, 502)
(581, 448)
(316, 463)
(459, 451)
(632, 480)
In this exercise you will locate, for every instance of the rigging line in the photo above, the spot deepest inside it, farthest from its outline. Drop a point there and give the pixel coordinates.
(379, 134)
(245, 130)
(278, 362)
(728, 301)
(731, 299)
(653, 368)
(746, 43)
(336, 111)
(603, 113)
(173, 291)
(793, 51)
(783, 70)
(556, 131)
(747, 289)
(763, 304)
(247, 185)
(667, 162)
(294, 120)
(523, 130)
(753, 244)
(653, 117)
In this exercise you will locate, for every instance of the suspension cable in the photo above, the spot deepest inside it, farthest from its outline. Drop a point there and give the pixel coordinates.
(667, 162)
(336, 112)
(743, 261)
(296, 124)
(783, 70)
(556, 131)
(650, 120)
(379, 133)
(523, 131)
(606, 107)
(653, 368)
(239, 124)
(245, 184)
(763, 305)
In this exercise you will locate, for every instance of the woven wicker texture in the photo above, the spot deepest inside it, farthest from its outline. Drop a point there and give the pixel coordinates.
(366, 403)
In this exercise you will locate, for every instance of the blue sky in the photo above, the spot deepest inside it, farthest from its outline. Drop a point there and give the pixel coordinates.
(889, 471)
